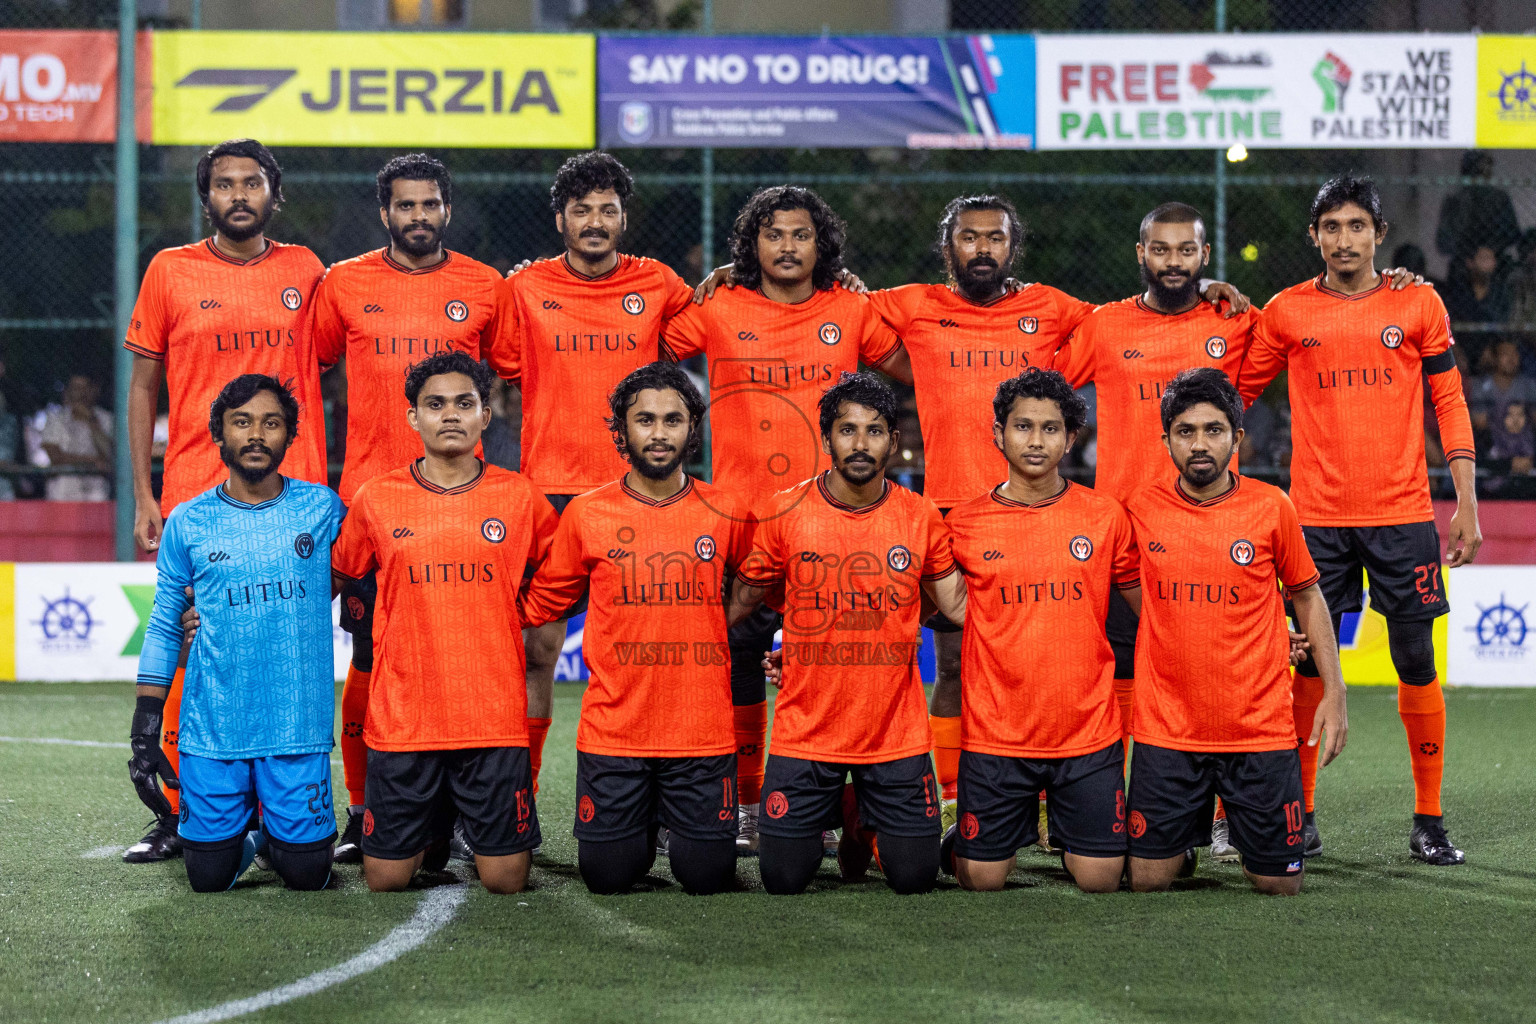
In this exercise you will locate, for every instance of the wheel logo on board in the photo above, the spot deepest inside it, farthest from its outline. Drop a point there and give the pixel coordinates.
(634, 303)
(830, 334)
(292, 299)
(1392, 337)
(1081, 548)
(494, 530)
(1242, 552)
(456, 311)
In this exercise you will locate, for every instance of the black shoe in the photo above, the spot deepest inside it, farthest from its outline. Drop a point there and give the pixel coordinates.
(160, 843)
(349, 849)
(1429, 843)
(1191, 859)
(947, 850)
(1311, 839)
(458, 844)
(436, 857)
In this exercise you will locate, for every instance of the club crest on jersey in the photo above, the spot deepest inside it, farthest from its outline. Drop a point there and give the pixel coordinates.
(704, 547)
(494, 530)
(830, 334)
(1029, 324)
(898, 558)
(1081, 548)
(1392, 337)
(634, 303)
(456, 311)
(292, 299)
(304, 545)
(1216, 346)
(1242, 552)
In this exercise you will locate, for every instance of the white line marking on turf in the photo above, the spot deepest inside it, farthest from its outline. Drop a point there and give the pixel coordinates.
(434, 911)
(54, 740)
(102, 852)
(616, 925)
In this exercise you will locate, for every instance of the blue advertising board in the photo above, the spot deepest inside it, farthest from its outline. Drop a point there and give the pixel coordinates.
(951, 92)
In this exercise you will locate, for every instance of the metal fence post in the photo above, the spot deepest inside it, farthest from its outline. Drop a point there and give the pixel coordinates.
(126, 255)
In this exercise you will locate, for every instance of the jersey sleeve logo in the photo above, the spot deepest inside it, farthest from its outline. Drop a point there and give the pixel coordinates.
(304, 545)
(1029, 324)
(1216, 346)
(634, 303)
(1242, 552)
(1081, 548)
(457, 311)
(704, 547)
(829, 333)
(292, 299)
(898, 558)
(494, 530)
(1392, 336)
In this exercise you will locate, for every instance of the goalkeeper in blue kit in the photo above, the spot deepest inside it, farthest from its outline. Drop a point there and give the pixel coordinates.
(258, 696)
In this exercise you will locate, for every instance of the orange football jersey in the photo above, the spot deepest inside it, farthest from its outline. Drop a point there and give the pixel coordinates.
(655, 640)
(1213, 652)
(1128, 351)
(382, 317)
(448, 670)
(852, 583)
(769, 362)
(209, 318)
(960, 352)
(1039, 674)
(1357, 366)
(568, 340)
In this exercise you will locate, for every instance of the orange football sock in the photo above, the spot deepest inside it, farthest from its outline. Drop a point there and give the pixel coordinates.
(354, 752)
(1125, 691)
(946, 753)
(1422, 709)
(1221, 810)
(1306, 695)
(751, 749)
(538, 731)
(171, 719)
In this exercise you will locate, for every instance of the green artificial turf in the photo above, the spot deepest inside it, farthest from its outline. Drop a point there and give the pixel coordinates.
(1375, 937)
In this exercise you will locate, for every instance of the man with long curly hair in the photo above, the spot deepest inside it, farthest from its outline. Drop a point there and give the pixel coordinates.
(774, 343)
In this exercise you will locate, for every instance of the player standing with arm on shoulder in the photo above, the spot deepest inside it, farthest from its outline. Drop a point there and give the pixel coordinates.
(452, 540)
(1041, 555)
(855, 555)
(569, 328)
(237, 302)
(1213, 715)
(655, 744)
(774, 344)
(1359, 354)
(377, 314)
(258, 698)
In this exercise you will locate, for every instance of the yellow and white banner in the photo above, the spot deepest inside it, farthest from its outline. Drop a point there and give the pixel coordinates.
(395, 89)
(1506, 92)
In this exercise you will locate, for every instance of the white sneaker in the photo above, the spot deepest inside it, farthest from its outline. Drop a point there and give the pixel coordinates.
(746, 830)
(1222, 849)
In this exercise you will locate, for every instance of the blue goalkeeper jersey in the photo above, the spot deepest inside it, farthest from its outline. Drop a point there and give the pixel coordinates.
(259, 677)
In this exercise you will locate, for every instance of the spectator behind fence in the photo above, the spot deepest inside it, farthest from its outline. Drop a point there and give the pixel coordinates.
(1512, 453)
(1522, 281)
(1478, 287)
(1476, 215)
(1505, 384)
(78, 432)
(10, 439)
(1412, 259)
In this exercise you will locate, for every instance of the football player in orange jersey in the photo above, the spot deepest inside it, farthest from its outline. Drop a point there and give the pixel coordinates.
(773, 345)
(855, 555)
(1213, 713)
(378, 314)
(1041, 556)
(453, 541)
(234, 303)
(1359, 354)
(655, 747)
(569, 327)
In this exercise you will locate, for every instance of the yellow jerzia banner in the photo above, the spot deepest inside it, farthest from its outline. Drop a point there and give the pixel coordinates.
(1506, 92)
(395, 89)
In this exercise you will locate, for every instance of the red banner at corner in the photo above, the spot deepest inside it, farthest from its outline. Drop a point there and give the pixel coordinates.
(61, 86)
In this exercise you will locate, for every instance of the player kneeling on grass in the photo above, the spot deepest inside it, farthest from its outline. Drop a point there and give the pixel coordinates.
(855, 554)
(656, 745)
(452, 540)
(1213, 712)
(257, 701)
(1041, 556)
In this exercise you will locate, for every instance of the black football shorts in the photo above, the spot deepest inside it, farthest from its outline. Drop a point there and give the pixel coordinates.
(804, 798)
(1403, 563)
(617, 797)
(1000, 803)
(410, 797)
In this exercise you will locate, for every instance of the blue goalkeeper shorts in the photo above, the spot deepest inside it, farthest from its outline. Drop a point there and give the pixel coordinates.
(217, 797)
